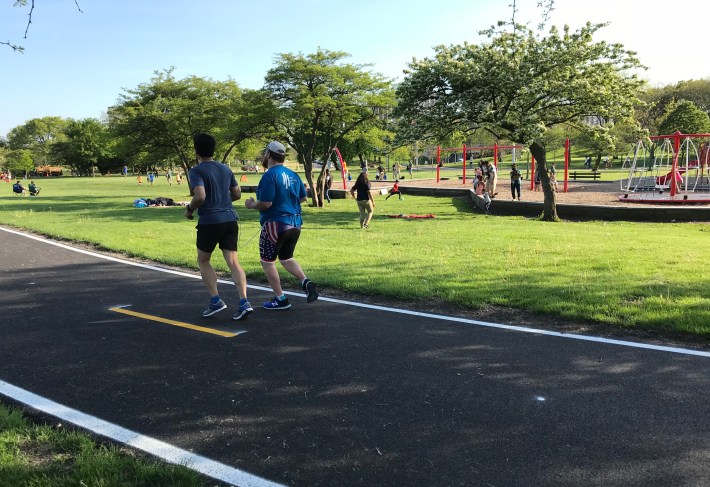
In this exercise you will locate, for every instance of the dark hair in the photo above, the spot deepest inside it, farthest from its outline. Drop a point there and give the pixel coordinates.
(362, 179)
(204, 145)
(276, 156)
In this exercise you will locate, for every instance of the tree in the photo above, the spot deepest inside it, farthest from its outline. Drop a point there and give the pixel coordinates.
(251, 115)
(85, 145)
(661, 100)
(686, 118)
(38, 135)
(320, 101)
(159, 118)
(518, 85)
(19, 161)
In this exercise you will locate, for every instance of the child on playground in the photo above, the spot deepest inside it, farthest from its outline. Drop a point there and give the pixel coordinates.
(395, 191)
(553, 176)
(479, 185)
(487, 201)
(139, 179)
(515, 177)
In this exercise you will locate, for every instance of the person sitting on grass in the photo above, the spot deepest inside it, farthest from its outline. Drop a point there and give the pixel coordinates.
(18, 189)
(34, 189)
(395, 190)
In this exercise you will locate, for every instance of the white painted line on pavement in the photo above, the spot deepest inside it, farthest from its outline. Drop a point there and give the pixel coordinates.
(160, 449)
(523, 329)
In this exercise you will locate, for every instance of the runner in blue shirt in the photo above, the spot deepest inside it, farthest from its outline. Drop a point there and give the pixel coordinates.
(278, 197)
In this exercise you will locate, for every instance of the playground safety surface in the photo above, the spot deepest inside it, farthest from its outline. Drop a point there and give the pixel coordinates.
(333, 394)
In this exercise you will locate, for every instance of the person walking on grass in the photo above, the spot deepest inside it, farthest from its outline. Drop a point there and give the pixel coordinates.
(214, 188)
(365, 203)
(278, 198)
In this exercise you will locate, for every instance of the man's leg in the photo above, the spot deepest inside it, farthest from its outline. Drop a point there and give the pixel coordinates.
(238, 276)
(209, 277)
(272, 276)
(294, 268)
(240, 282)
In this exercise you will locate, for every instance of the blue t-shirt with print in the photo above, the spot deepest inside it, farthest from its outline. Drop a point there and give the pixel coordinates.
(285, 190)
(217, 179)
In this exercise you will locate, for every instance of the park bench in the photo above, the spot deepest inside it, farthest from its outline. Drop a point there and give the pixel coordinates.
(575, 175)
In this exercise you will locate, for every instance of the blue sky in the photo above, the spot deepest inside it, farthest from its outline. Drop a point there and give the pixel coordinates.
(76, 64)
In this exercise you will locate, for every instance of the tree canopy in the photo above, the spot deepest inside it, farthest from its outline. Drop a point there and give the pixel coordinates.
(687, 118)
(38, 135)
(85, 145)
(158, 119)
(320, 101)
(518, 85)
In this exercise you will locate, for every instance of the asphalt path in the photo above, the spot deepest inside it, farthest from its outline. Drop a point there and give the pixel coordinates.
(331, 393)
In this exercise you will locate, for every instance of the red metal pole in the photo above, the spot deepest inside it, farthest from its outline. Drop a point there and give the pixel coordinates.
(343, 167)
(464, 164)
(438, 161)
(566, 163)
(532, 179)
(676, 150)
(495, 155)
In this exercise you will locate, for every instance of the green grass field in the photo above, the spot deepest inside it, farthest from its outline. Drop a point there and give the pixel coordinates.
(625, 274)
(42, 456)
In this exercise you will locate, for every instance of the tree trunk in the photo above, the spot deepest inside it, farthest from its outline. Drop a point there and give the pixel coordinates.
(597, 163)
(320, 188)
(549, 207)
(308, 169)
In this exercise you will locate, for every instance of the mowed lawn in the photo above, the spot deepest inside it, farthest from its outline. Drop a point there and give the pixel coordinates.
(626, 274)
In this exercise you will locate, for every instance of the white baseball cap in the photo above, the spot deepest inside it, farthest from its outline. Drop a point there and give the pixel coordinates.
(276, 148)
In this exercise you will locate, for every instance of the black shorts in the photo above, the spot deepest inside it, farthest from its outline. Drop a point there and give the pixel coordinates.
(225, 234)
(278, 239)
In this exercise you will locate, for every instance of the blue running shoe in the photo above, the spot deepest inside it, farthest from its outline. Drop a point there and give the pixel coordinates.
(244, 311)
(276, 304)
(214, 308)
(311, 292)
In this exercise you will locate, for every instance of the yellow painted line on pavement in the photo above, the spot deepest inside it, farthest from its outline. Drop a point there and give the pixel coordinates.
(173, 322)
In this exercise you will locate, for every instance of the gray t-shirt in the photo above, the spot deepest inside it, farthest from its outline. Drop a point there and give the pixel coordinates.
(217, 179)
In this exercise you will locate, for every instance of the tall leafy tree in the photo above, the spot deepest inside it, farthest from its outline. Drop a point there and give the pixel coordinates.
(38, 135)
(250, 115)
(19, 161)
(659, 101)
(517, 85)
(687, 118)
(320, 101)
(87, 143)
(159, 118)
